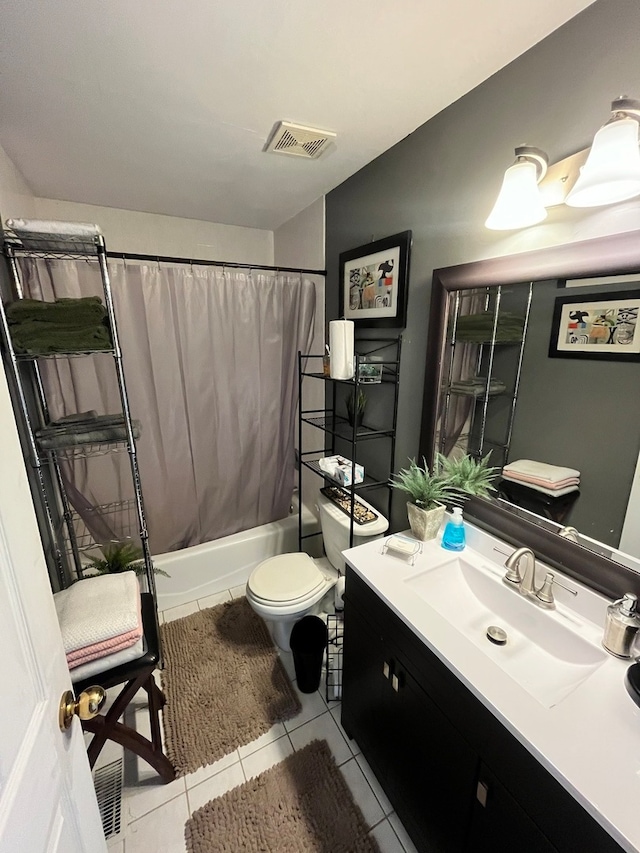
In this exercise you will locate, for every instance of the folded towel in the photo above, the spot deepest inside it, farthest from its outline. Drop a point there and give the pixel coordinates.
(98, 609)
(106, 647)
(31, 227)
(86, 311)
(95, 667)
(539, 481)
(553, 473)
(66, 426)
(478, 328)
(89, 436)
(477, 387)
(76, 416)
(554, 493)
(34, 228)
(35, 338)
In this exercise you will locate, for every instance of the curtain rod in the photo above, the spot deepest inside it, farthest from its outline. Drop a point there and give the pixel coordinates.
(129, 256)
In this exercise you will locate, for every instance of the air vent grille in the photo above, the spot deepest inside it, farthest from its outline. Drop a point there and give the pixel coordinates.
(299, 141)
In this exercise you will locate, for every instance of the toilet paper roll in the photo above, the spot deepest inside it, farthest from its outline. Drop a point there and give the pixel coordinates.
(338, 594)
(341, 347)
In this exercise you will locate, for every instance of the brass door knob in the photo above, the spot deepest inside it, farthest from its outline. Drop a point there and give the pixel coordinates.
(86, 706)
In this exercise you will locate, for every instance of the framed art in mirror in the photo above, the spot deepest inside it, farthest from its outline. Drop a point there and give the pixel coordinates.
(373, 282)
(603, 326)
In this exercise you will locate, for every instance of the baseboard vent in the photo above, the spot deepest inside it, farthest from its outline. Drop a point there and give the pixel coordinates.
(297, 140)
(107, 781)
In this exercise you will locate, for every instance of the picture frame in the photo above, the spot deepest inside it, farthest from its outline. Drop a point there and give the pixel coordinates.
(604, 326)
(374, 280)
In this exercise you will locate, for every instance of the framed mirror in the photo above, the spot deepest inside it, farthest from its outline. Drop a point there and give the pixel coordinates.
(536, 401)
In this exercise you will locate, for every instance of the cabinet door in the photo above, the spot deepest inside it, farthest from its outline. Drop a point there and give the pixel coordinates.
(365, 690)
(434, 770)
(499, 825)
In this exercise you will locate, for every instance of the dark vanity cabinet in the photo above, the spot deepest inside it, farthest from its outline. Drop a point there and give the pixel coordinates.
(459, 781)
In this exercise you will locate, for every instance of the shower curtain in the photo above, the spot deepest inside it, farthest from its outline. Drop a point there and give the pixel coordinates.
(210, 358)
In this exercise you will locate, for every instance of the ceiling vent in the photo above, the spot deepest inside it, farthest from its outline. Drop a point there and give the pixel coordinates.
(299, 141)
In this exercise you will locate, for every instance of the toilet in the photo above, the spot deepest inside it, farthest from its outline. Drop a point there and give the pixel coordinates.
(287, 587)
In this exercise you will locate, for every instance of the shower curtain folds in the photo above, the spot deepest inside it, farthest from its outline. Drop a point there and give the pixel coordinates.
(210, 360)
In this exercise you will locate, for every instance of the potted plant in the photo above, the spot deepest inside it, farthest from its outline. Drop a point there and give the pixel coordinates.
(356, 405)
(467, 477)
(428, 493)
(121, 557)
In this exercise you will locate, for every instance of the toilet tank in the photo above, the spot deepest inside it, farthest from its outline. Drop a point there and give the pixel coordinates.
(336, 527)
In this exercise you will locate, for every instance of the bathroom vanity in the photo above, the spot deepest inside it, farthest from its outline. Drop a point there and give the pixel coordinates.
(533, 746)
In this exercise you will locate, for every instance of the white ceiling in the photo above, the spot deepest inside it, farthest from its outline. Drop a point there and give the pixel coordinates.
(165, 106)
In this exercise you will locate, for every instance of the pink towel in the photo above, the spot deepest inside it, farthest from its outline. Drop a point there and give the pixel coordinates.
(541, 481)
(100, 650)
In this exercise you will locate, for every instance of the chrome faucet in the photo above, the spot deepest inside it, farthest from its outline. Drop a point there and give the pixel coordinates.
(526, 581)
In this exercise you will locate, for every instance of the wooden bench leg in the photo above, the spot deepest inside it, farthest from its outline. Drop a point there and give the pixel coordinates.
(106, 727)
(130, 739)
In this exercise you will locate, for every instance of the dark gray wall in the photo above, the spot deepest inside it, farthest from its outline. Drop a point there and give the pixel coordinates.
(581, 413)
(442, 180)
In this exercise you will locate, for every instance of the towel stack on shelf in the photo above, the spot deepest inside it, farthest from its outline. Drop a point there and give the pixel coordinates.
(100, 622)
(478, 328)
(553, 480)
(66, 325)
(477, 387)
(85, 428)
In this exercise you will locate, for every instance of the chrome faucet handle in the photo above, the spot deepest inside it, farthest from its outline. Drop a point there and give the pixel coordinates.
(545, 593)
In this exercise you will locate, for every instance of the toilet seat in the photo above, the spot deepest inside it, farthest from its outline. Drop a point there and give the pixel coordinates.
(287, 579)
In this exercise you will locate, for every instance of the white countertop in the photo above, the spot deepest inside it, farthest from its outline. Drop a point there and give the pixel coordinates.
(589, 741)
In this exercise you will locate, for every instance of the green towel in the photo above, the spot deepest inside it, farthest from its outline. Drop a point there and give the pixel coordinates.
(34, 338)
(88, 311)
(478, 328)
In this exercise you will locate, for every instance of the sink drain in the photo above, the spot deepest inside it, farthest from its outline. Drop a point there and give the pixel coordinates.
(496, 635)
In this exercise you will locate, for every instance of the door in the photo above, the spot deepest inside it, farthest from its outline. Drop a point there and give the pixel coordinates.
(47, 799)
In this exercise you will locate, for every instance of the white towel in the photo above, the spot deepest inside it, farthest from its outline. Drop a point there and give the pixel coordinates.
(97, 609)
(95, 667)
(33, 227)
(541, 470)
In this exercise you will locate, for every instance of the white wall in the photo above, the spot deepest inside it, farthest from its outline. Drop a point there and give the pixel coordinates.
(300, 243)
(16, 199)
(152, 234)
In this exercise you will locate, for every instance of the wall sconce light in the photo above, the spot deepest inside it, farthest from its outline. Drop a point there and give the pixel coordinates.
(612, 170)
(607, 173)
(519, 203)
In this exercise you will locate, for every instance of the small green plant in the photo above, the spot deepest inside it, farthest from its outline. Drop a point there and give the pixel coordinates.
(425, 489)
(356, 413)
(467, 476)
(121, 557)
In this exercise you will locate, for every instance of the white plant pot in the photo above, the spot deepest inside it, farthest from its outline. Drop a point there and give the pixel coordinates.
(425, 523)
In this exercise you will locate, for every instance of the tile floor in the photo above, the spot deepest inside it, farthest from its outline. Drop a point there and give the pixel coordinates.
(153, 814)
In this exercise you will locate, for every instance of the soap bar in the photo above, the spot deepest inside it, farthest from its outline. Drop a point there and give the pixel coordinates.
(402, 545)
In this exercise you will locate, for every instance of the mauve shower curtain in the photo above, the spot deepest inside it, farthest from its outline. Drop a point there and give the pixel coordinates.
(210, 358)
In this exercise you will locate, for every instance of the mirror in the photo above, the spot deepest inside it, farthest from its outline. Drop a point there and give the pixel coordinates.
(543, 399)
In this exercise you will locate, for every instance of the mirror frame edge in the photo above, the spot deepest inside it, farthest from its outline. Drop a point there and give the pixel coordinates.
(615, 254)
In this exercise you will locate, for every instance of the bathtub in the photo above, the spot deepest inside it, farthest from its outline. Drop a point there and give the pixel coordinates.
(212, 567)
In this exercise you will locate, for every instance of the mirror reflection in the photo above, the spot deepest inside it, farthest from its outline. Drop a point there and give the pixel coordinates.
(542, 376)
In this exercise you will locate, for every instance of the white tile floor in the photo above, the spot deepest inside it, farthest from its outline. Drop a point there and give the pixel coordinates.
(154, 815)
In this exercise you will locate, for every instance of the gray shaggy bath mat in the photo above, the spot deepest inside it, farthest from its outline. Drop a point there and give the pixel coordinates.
(302, 805)
(224, 683)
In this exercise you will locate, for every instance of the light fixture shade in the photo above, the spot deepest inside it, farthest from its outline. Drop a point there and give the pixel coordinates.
(612, 170)
(519, 203)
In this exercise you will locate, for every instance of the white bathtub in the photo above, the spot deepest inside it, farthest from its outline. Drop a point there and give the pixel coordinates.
(224, 563)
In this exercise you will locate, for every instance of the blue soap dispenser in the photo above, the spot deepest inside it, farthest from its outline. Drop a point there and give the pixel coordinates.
(453, 538)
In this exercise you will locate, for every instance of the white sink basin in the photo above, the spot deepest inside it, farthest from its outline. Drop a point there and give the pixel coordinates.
(548, 652)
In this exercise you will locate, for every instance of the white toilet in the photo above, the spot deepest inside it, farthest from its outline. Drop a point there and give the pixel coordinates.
(285, 588)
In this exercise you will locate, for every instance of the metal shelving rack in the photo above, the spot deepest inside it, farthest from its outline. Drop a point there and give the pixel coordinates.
(338, 427)
(68, 540)
(476, 435)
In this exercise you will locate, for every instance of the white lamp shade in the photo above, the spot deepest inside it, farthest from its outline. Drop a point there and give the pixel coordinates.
(612, 170)
(519, 203)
